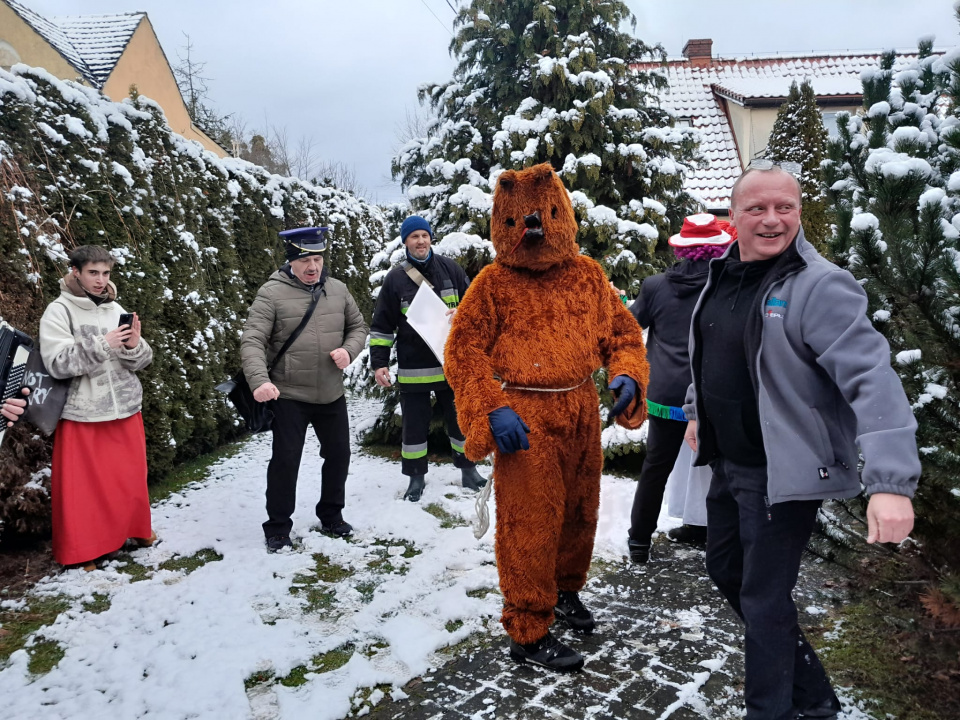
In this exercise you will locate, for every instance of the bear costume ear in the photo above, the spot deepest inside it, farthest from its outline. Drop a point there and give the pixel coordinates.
(507, 180)
(541, 173)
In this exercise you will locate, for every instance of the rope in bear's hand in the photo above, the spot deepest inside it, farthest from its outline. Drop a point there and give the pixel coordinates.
(483, 511)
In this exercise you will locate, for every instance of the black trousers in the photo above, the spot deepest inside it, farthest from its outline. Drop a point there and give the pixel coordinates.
(753, 556)
(664, 441)
(291, 418)
(417, 412)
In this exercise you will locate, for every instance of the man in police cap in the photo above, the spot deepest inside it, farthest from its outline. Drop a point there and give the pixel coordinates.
(419, 371)
(306, 385)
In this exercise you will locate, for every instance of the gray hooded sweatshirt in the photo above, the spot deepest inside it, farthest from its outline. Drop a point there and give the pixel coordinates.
(824, 386)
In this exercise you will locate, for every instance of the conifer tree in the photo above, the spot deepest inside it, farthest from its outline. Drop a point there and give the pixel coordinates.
(799, 136)
(540, 81)
(893, 180)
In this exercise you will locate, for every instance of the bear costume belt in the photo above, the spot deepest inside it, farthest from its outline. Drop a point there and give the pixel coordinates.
(504, 385)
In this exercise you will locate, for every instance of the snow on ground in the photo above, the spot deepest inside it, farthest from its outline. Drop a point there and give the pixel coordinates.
(181, 645)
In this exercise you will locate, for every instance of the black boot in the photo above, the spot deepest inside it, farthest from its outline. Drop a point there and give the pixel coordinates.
(278, 542)
(336, 528)
(547, 652)
(415, 488)
(471, 479)
(570, 609)
(639, 552)
(695, 535)
(825, 710)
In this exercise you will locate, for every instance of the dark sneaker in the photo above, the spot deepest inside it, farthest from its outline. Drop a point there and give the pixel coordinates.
(547, 652)
(688, 535)
(338, 528)
(570, 609)
(826, 710)
(278, 542)
(471, 479)
(415, 488)
(639, 552)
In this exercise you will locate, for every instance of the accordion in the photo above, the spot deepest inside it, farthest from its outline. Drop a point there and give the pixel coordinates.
(15, 350)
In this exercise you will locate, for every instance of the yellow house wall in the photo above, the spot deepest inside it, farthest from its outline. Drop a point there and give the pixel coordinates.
(752, 127)
(32, 48)
(144, 64)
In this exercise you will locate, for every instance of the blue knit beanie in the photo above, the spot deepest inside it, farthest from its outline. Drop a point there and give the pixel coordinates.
(412, 223)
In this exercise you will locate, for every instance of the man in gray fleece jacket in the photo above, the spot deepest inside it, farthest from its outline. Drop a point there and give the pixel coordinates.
(305, 387)
(789, 380)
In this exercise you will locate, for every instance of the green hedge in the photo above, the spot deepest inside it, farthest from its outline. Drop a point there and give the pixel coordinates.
(194, 236)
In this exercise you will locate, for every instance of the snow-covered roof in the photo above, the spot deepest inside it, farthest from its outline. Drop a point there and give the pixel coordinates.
(742, 90)
(700, 92)
(92, 43)
(100, 39)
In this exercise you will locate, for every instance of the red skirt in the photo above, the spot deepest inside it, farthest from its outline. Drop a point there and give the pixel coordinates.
(98, 488)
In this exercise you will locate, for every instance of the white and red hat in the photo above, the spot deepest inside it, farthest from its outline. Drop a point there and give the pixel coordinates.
(702, 229)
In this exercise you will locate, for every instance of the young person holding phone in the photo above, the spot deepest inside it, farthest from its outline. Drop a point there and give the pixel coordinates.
(99, 482)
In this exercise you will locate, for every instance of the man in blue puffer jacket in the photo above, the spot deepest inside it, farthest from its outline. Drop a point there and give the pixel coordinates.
(789, 380)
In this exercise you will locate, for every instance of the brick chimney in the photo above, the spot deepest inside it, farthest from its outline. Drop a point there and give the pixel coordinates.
(699, 52)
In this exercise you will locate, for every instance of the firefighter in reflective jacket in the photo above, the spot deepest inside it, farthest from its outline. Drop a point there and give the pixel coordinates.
(419, 372)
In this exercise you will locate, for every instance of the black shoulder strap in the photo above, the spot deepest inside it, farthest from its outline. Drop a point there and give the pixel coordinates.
(296, 333)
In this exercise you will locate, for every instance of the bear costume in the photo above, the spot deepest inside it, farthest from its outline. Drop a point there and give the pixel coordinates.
(526, 339)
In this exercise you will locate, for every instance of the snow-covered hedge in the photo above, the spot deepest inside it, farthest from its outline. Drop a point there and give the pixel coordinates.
(194, 237)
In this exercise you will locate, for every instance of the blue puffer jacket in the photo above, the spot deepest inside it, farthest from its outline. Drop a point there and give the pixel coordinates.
(823, 383)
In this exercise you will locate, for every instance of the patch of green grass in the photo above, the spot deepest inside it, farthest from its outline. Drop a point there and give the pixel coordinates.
(258, 678)
(329, 572)
(602, 567)
(315, 598)
(191, 471)
(325, 662)
(366, 588)
(389, 452)
(482, 592)
(382, 564)
(333, 660)
(18, 625)
(296, 677)
(868, 656)
(372, 649)
(44, 656)
(192, 562)
(453, 625)
(135, 570)
(447, 520)
(99, 604)
(361, 700)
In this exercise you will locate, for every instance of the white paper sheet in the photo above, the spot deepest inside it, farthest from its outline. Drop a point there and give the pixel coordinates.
(427, 315)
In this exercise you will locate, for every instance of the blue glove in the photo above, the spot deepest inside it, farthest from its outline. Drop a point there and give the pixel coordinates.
(509, 430)
(624, 389)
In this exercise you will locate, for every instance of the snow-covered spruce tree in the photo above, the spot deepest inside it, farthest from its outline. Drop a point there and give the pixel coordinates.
(893, 178)
(194, 237)
(540, 81)
(799, 136)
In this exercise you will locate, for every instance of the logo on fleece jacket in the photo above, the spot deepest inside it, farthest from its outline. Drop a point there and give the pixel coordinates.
(775, 308)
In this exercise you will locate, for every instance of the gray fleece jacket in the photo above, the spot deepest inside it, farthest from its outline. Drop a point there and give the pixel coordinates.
(824, 385)
(306, 371)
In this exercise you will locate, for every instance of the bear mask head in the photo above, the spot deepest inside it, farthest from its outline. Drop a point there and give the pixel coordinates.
(533, 225)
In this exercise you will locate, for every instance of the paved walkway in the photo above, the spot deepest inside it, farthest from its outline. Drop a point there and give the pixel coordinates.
(666, 646)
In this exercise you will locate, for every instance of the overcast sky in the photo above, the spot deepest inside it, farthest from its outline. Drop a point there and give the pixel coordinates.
(346, 71)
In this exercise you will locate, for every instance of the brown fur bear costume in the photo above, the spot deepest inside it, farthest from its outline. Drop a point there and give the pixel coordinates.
(541, 316)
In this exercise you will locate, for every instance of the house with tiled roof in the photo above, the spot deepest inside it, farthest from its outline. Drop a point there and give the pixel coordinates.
(112, 53)
(733, 103)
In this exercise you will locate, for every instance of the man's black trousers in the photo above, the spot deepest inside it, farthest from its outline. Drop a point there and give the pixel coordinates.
(416, 410)
(291, 418)
(664, 440)
(753, 556)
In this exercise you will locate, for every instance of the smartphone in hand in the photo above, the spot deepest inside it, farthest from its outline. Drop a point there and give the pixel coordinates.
(126, 319)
